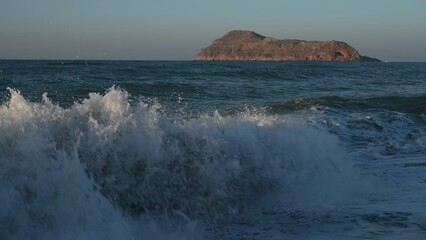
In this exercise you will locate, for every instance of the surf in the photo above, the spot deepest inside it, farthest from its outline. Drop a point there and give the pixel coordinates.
(104, 162)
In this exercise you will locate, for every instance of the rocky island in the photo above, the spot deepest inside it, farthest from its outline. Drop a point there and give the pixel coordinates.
(239, 45)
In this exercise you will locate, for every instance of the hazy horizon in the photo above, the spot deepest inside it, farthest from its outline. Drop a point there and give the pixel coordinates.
(166, 30)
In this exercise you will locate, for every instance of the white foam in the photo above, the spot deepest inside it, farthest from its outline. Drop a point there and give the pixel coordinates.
(92, 170)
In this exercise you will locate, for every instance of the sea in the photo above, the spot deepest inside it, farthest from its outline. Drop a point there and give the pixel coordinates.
(212, 150)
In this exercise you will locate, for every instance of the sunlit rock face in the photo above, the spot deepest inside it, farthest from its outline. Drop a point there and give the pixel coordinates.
(241, 45)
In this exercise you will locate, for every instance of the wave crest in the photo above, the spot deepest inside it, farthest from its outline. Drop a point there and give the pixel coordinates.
(103, 157)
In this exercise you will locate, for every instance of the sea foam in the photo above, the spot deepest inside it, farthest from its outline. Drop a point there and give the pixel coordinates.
(94, 170)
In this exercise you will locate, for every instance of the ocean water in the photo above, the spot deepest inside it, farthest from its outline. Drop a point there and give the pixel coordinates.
(212, 150)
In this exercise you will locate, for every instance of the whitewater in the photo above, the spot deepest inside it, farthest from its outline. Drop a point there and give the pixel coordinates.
(176, 150)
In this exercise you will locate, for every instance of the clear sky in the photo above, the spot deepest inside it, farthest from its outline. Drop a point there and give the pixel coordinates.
(393, 30)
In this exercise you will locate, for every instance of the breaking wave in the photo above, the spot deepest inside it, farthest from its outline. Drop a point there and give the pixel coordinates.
(98, 168)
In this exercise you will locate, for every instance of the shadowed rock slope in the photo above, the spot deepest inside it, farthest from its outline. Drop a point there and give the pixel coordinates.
(241, 45)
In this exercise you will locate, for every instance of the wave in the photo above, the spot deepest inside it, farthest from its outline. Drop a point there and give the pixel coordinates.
(412, 105)
(88, 170)
(387, 125)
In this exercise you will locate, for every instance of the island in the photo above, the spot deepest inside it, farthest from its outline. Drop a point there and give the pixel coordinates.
(240, 45)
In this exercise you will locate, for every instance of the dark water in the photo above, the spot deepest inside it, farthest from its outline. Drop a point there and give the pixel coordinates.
(223, 85)
(220, 150)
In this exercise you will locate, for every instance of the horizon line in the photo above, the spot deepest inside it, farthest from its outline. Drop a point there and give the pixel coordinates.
(176, 60)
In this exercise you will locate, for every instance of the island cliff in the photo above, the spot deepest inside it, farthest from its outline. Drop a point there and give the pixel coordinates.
(241, 45)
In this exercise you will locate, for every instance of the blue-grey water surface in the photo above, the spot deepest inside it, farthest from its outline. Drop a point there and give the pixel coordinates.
(212, 150)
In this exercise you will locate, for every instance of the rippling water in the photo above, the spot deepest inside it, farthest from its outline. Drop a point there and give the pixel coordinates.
(212, 150)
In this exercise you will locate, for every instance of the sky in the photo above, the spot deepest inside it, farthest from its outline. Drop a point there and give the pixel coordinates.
(391, 30)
